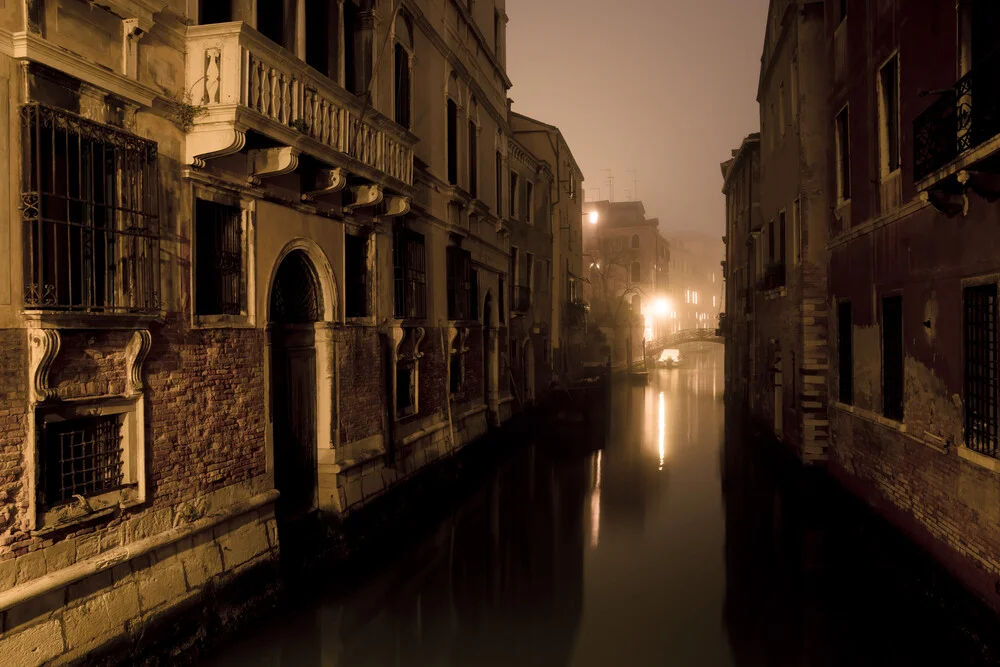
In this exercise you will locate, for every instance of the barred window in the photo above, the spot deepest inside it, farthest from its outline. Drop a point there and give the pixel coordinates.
(410, 273)
(90, 213)
(980, 326)
(219, 244)
(81, 457)
(459, 267)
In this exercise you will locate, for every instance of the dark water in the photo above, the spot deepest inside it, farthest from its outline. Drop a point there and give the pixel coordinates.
(681, 542)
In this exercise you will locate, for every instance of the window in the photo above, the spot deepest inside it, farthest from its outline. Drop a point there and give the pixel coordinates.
(529, 196)
(219, 259)
(318, 52)
(215, 11)
(356, 275)
(90, 213)
(460, 297)
(635, 242)
(81, 457)
(796, 232)
(892, 357)
(410, 274)
(636, 272)
(845, 352)
(499, 184)
(456, 372)
(889, 115)
(770, 242)
(843, 132)
(514, 267)
(501, 301)
(271, 20)
(402, 92)
(980, 326)
(351, 25)
(473, 159)
(452, 142)
(512, 207)
(529, 269)
(781, 237)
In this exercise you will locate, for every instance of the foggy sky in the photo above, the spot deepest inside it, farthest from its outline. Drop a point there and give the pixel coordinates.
(666, 87)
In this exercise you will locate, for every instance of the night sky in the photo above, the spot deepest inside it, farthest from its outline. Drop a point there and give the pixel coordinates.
(665, 87)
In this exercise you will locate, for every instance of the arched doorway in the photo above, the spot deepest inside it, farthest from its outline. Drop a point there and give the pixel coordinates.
(488, 380)
(296, 304)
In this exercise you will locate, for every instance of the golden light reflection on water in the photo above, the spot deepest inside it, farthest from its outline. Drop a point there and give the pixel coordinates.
(661, 428)
(595, 503)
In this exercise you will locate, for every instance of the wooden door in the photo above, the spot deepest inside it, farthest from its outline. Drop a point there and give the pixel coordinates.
(294, 386)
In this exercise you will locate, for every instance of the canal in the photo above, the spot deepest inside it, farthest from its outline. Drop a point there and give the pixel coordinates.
(684, 540)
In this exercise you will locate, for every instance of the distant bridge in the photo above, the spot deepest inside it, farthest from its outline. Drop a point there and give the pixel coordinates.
(657, 345)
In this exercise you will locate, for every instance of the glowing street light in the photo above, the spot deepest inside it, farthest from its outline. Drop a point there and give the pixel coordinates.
(661, 307)
(593, 217)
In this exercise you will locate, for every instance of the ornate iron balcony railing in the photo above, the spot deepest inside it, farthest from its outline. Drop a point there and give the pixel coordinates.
(960, 120)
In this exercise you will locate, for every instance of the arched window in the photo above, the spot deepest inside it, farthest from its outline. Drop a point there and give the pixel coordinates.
(636, 272)
(402, 54)
(635, 241)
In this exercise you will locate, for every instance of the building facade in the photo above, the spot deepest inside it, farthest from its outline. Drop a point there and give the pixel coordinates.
(264, 268)
(913, 272)
(741, 176)
(569, 310)
(696, 280)
(789, 359)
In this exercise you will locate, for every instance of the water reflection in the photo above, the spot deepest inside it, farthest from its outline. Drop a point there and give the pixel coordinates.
(678, 543)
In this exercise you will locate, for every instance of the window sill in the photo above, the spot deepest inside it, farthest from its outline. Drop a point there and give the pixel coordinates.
(47, 319)
(981, 460)
(72, 515)
(870, 416)
(360, 321)
(222, 322)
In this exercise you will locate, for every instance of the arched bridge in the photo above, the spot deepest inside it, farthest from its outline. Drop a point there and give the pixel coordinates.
(657, 345)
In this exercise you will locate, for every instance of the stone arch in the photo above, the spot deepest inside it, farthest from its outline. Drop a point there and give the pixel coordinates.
(329, 307)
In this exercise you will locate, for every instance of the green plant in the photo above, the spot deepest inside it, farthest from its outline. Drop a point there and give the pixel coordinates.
(300, 125)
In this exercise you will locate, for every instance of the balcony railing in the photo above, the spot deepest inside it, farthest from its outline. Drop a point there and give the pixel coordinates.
(233, 68)
(960, 120)
(774, 277)
(521, 299)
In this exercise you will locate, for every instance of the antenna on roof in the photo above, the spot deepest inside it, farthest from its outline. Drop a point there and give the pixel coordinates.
(611, 185)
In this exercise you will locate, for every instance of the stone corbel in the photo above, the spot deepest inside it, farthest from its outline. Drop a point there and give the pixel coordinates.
(271, 162)
(418, 334)
(135, 355)
(43, 346)
(133, 30)
(398, 334)
(396, 206)
(463, 336)
(328, 182)
(983, 184)
(364, 195)
(949, 203)
(208, 142)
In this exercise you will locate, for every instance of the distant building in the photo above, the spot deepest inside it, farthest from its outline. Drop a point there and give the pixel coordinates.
(696, 280)
(789, 353)
(627, 261)
(741, 175)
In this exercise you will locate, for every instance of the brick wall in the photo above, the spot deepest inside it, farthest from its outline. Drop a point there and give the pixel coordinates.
(13, 426)
(90, 363)
(361, 359)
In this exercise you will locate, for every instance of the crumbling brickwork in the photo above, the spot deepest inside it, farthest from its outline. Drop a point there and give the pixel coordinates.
(363, 399)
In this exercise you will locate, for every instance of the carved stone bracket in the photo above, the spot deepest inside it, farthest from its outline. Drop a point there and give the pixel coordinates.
(214, 141)
(270, 162)
(418, 334)
(43, 346)
(396, 206)
(328, 182)
(135, 354)
(133, 30)
(364, 195)
(949, 203)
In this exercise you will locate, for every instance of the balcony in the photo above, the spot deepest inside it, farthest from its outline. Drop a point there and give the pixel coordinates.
(774, 277)
(521, 298)
(241, 81)
(960, 129)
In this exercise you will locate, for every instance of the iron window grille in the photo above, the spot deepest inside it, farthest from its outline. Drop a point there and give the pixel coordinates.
(410, 273)
(81, 457)
(90, 213)
(980, 304)
(219, 287)
(459, 268)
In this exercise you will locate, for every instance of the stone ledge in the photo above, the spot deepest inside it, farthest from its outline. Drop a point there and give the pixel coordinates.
(977, 459)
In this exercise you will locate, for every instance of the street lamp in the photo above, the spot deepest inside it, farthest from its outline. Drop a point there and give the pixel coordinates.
(593, 217)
